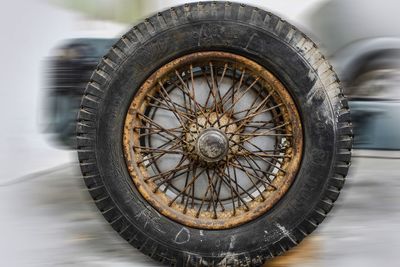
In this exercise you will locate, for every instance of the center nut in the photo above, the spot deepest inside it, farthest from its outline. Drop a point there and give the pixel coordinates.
(212, 145)
(208, 143)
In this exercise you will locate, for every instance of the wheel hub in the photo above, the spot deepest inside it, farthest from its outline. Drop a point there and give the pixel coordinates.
(218, 130)
(212, 145)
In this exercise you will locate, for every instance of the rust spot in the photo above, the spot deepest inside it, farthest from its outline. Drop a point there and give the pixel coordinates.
(227, 218)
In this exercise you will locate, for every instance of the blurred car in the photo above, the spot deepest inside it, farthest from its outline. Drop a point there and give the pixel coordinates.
(68, 72)
(362, 42)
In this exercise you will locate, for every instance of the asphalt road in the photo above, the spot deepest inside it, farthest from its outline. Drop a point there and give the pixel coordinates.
(48, 219)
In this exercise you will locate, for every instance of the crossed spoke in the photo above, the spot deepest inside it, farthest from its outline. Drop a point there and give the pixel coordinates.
(175, 112)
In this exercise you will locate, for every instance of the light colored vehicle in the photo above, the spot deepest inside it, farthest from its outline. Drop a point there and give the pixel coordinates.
(362, 40)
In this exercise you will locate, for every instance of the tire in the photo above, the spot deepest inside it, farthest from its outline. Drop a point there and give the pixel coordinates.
(235, 33)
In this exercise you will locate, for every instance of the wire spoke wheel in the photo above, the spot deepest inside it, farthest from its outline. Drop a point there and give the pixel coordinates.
(212, 140)
(214, 134)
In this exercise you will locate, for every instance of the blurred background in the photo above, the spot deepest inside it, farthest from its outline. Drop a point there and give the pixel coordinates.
(49, 48)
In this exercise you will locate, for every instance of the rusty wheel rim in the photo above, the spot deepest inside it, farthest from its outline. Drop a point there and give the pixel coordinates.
(212, 140)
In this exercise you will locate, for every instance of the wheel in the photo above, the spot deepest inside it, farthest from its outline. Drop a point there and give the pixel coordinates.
(375, 77)
(373, 89)
(214, 134)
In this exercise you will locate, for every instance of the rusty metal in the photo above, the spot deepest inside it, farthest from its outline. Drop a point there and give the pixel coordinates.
(213, 163)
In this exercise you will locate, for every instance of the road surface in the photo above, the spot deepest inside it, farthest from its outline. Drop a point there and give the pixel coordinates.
(48, 219)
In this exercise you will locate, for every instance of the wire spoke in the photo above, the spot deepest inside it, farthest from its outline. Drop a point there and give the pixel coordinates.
(196, 135)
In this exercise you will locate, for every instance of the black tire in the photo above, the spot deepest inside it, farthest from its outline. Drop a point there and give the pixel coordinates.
(254, 34)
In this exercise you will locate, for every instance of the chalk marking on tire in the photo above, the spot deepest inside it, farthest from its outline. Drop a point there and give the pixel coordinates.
(182, 233)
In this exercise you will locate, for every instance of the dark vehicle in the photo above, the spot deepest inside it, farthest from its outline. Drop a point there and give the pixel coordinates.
(211, 134)
(68, 74)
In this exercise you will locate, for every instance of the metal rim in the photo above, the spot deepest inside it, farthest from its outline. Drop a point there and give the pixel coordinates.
(212, 140)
